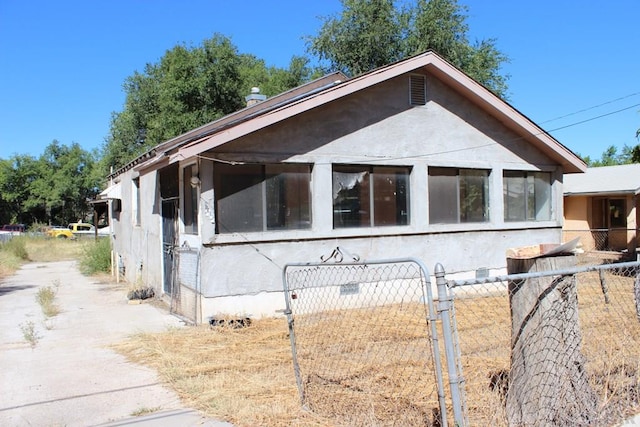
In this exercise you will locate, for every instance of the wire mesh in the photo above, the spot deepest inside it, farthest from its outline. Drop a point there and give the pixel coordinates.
(362, 343)
(583, 343)
(602, 245)
(185, 295)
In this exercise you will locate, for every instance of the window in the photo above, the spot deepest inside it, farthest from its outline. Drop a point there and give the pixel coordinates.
(136, 201)
(458, 195)
(527, 196)
(190, 188)
(262, 197)
(366, 196)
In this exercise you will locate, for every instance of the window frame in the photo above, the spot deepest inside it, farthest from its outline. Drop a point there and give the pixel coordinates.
(530, 184)
(268, 182)
(370, 198)
(190, 198)
(136, 214)
(457, 212)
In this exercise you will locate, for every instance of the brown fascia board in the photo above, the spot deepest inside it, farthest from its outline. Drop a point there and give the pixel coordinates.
(160, 151)
(437, 67)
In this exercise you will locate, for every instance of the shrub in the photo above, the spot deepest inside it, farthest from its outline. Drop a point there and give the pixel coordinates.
(97, 257)
(17, 247)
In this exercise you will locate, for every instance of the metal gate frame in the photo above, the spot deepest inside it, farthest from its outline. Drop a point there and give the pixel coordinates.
(433, 316)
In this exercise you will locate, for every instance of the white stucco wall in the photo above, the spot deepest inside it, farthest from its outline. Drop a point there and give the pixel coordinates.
(241, 273)
(139, 246)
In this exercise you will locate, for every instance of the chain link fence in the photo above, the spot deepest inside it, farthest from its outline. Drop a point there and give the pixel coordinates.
(549, 347)
(604, 245)
(185, 295)
(571, 357)
(363, 339)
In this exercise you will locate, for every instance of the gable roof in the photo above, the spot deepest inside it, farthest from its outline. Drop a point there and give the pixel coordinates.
(621, 179)
(336, 86)
(157, 154)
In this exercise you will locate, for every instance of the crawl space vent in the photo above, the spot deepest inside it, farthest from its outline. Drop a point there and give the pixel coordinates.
(417, 90)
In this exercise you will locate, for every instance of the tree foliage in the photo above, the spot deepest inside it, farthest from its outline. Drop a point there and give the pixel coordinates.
(611, 157)
(373, 33)
(187, 88)
(55, 188)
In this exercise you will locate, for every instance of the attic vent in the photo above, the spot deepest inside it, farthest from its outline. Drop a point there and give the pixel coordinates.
(417, 90)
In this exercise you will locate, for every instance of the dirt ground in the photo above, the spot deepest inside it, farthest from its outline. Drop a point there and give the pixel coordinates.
(71, 377)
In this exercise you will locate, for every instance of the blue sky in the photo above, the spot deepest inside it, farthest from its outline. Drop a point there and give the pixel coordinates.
(63, 63)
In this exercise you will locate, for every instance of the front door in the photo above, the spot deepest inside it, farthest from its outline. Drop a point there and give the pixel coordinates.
(169, 244)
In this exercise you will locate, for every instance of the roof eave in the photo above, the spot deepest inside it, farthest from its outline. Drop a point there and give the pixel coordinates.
(437, 66)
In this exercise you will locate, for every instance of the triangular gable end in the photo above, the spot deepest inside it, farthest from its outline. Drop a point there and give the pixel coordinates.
(429, 61)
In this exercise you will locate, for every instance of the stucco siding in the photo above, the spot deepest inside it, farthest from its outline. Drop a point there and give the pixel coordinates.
(139, 246)
(241, 273)
(231, 270)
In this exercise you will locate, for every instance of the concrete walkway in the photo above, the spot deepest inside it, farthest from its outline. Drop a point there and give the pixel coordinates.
(70, 377)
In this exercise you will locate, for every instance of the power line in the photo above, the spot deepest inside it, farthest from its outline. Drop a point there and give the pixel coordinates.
(591, 108)
(594, 118)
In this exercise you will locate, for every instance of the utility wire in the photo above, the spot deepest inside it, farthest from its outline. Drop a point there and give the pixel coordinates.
(595, 118)
(591, 108)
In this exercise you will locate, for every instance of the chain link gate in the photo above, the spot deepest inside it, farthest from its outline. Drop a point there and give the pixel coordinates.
(364, 341)
(185, 295)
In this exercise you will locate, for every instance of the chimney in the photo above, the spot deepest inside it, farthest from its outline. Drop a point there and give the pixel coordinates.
(255, 97)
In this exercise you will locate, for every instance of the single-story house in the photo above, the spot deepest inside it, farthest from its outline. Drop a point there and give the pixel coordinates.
(602, 207)
(414, 159)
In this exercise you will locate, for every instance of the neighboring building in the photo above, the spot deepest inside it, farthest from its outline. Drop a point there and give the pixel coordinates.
(414, 159)
(601, 207)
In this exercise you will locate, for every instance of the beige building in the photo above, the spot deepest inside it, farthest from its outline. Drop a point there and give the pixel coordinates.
(601, 207)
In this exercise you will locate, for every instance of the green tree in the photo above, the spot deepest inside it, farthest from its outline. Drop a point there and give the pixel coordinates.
(611, 157)
(272, 80)
(17, 175)
(63, 182)
(372, 33)
(187, 88)
(366, 35)
(635, 152)
(190, 86)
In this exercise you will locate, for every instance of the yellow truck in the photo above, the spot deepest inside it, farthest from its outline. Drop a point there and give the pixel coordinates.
(77, 229)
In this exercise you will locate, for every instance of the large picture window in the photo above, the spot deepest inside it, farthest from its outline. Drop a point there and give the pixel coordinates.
(262, 197)
(527, 196)
(458, 195)
(367, 196)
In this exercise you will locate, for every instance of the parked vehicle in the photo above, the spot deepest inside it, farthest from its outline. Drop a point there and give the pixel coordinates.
(13, 228)
(60, 233)
(85, 229)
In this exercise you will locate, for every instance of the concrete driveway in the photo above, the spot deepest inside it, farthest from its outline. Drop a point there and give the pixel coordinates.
(71, 377)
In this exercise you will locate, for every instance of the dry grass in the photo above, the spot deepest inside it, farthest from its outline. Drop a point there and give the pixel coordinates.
(49, 250)
(41, 249)
(244, 376)
(349, 366)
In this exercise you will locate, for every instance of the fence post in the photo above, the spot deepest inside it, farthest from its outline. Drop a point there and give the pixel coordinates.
(444, 306)
(548, 381)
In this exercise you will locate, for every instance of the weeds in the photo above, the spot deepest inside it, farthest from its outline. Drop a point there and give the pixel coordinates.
(144, 411)
(46, 298)
(17, 246)
(29, 333)
(97, 257)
